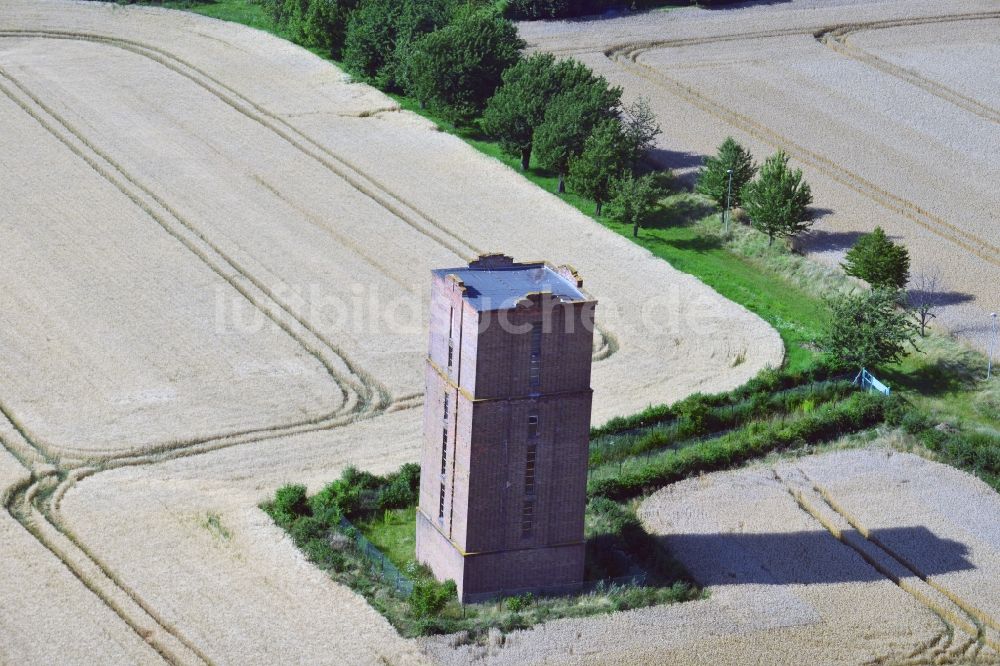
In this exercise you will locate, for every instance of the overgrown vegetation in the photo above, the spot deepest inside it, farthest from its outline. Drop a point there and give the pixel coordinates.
(383, 509)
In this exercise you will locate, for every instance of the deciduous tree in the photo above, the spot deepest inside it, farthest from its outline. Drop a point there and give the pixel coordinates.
(456, 69)
(633, 198)
(519, 105)
(924, 297)
(868, 329)
(604, 159)
(584, 101)
(641, 129)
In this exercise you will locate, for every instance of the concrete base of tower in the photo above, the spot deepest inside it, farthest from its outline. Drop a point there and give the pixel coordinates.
(554, 569)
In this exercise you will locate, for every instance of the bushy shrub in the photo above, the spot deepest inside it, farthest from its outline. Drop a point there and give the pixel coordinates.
(429, 597)
(289, 503)
(305, 529)
(520, 602)
(402, 490)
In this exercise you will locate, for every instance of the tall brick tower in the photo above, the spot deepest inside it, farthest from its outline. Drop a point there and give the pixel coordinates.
(503, 472)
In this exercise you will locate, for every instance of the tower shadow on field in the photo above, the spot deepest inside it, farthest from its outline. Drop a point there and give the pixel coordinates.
(808, 558)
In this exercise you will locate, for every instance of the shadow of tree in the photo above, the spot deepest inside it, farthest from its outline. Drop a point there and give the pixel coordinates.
(728, 5)
(679, 212)
(817, 240)
(939, 298)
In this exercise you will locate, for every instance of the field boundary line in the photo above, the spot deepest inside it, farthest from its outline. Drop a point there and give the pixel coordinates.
(626, 57)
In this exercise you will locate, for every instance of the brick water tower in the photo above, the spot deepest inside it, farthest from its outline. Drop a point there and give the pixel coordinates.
(503, 472)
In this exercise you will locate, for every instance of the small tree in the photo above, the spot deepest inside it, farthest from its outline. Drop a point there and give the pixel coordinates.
(778, 201)
(713, 178)
(868, 329)
(878, 261)
(519, 105)
(924, 297)
(456, 69)
(604, 158)
(633, 199)
(641, 129)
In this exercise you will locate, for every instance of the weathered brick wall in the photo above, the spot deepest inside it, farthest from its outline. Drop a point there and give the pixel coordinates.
(505, 343)
(480, 541)
(515, 571)
(499, 458)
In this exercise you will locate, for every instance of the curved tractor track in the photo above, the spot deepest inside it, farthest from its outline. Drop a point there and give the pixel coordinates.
(967, 630)
(55, 469)
(627, 56)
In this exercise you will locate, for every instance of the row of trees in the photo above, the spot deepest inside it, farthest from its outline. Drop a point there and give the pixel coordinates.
(448, 54)
(868, 327)
(573, 124)
(463, 61)
(547, 9)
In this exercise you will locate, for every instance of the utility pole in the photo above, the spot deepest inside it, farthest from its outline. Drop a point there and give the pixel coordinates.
(993, 346)
(729, 196)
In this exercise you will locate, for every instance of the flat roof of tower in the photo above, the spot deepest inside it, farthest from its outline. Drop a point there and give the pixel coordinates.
(496, 282)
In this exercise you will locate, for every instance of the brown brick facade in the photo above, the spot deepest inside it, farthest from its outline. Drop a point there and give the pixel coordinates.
(506, 425)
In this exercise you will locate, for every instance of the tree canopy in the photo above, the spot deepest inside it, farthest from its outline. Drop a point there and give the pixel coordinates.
(641, 129)
(604, 158)
(713, 178)
(777, 202)
(519, 105)
(456, 69)
(868, 329)
(878, 261)
(584, 101)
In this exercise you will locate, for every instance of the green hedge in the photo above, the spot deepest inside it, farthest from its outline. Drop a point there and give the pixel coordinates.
(861, 410)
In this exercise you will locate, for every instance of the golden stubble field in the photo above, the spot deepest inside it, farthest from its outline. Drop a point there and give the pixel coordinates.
(217, 256)
(889, 108)
(218, 252)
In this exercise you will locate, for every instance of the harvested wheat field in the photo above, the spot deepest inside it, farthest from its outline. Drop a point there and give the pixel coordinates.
(851, 557)
(889, 108)
(218, 252)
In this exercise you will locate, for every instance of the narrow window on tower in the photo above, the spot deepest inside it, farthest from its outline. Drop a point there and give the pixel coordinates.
(532, 426)
(447, 404)
(529, 470)
(451, 343)
(444, 449)
(441, 504)
(535, 362)
(528, 518)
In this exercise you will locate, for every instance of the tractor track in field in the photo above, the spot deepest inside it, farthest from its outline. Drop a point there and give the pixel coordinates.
(56, 469)
(837, 39)
(350, 173)
(627, 57)
(969, 634)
